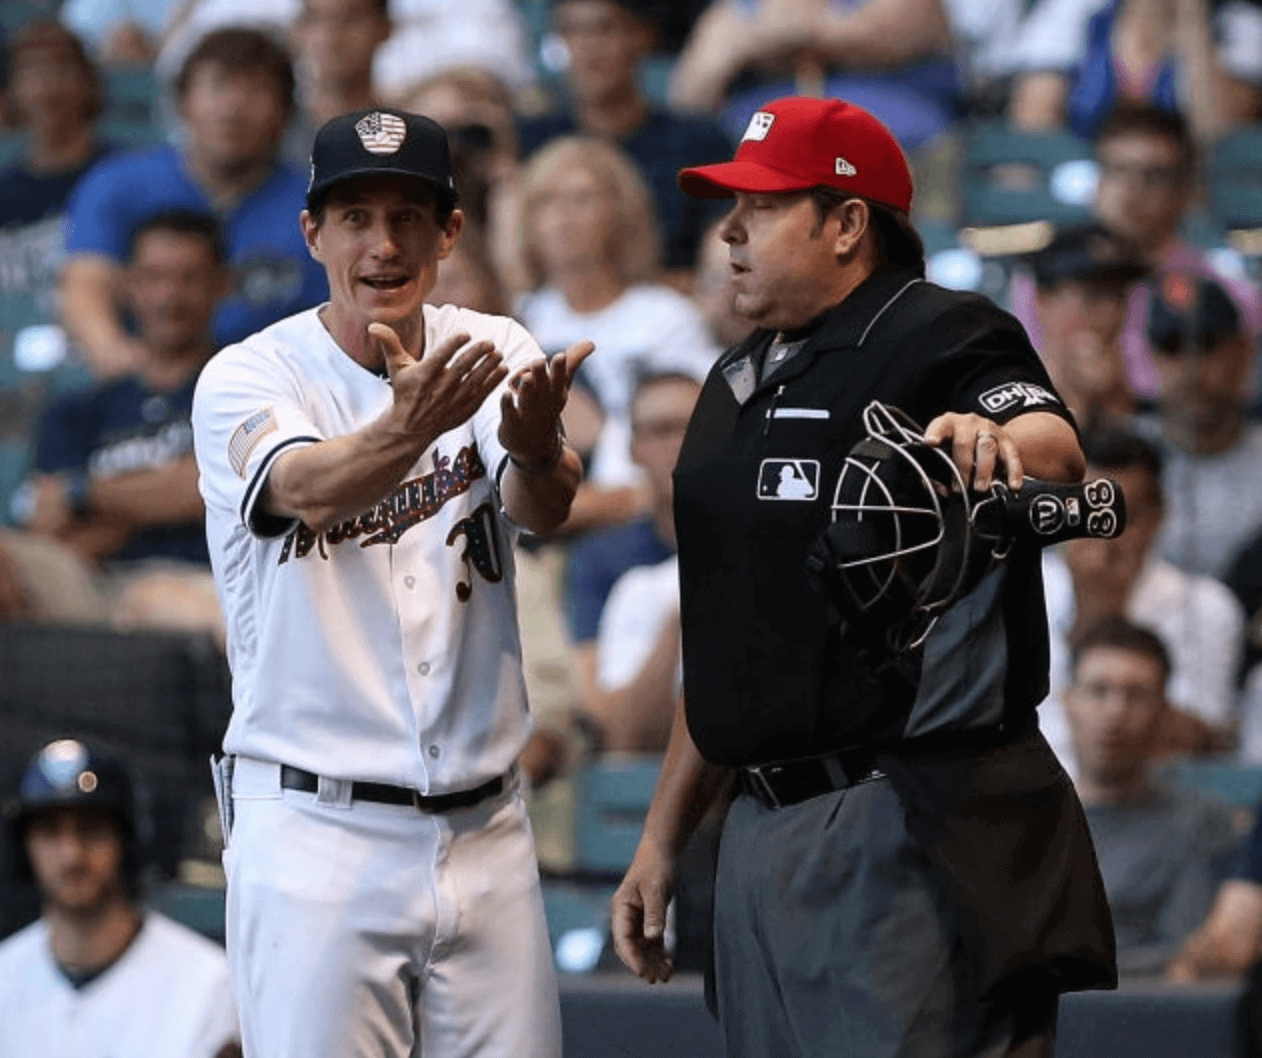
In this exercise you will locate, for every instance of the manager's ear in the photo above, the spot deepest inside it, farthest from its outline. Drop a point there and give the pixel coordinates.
(311, 232)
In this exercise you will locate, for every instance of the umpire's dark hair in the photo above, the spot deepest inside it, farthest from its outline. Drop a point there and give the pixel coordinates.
(1114, 448)
(1117, 633)
(182, 222)
(898, 242)
(242, 51)
(1130, 118)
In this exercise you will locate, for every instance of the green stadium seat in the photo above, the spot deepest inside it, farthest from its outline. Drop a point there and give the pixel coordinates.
(1050, 177)
(200, 908)
(612, 797)
(131, 94)
(1237, 784)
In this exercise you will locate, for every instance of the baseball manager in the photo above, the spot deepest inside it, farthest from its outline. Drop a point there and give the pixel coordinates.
(906, 869)
(365, 466)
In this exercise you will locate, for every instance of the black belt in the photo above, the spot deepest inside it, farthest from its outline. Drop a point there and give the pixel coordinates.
(789, 782)
(383, 793)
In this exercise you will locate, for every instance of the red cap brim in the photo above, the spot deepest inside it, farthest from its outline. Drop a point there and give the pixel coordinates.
(727, 178)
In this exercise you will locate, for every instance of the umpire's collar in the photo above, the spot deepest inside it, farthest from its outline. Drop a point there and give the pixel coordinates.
(844, 325)
(849, 322)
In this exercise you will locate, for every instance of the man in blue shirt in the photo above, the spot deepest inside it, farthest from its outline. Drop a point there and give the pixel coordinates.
(236, 94)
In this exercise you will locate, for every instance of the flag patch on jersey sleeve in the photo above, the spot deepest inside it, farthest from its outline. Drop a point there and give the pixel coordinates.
(246, 436)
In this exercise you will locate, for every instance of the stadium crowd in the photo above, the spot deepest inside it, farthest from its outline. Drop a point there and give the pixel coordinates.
(156, 166)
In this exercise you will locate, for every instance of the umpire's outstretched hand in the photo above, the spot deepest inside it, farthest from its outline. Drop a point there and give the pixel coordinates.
(441, 390)
(638, 915)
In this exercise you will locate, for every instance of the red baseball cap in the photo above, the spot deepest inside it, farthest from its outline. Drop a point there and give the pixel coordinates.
(799, 142)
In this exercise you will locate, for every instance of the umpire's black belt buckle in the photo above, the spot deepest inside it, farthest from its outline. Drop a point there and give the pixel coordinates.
(794, 781)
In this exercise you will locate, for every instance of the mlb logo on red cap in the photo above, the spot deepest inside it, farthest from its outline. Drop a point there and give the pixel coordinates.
(797, 143)
(759, 125)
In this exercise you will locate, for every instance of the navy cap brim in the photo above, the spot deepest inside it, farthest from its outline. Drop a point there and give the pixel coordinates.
(445, 196)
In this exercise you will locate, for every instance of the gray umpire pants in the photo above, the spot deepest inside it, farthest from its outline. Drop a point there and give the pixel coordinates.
(829, 942)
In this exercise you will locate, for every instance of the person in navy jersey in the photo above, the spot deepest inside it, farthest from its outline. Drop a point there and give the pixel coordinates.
(114, 524)
(55, 93)
(607, 40)
(236, 94)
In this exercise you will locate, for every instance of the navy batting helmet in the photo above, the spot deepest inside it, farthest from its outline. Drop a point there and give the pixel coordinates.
(68, 773)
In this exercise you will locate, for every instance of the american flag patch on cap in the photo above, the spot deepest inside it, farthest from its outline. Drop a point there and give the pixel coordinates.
(381, 133)
(247, 435)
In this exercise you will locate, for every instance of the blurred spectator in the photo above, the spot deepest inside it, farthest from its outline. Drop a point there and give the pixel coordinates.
(96, 973)
(1147, 180)
(1245, 579)
(1213, 454)
(590, 242)
(477, 111)
(121, 33)
(712, 292)
(1197, 56)
(333, 42)
(1088, 580)
(54, 95)
(114, 480)
(627, 650)
(467, 278)
(1230, 941)
(607, 41)
(1082, 279)
(997, 41)
(431, 36)
(236, 95)
(189, 22)
(890, 57)
(1161, 851)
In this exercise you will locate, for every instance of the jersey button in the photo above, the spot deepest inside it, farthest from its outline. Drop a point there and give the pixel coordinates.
(409, 581)
(423, 668)
(434, 751)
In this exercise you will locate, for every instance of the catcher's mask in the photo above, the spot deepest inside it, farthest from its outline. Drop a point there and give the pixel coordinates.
(909, 538)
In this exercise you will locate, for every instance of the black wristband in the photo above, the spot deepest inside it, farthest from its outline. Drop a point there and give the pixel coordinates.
(542, 466)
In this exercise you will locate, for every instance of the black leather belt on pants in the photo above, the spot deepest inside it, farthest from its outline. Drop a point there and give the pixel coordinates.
(383, 793)
(793, 781)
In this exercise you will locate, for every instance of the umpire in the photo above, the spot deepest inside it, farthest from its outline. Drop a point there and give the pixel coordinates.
(906, 870)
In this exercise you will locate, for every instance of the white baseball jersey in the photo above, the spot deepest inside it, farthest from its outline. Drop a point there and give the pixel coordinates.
(387, 648)
(167, 996)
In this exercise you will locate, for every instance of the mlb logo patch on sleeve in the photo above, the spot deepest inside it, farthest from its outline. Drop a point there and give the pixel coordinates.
(788, 479)
(247, 436)
(759, 125)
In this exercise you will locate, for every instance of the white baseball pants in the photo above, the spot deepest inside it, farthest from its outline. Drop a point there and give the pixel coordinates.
(364, 929)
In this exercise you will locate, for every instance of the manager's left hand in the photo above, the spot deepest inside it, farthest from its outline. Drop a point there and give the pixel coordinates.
(531, 406)
(979, 447)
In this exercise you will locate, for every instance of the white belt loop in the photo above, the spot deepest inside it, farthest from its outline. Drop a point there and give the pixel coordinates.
(333, 792)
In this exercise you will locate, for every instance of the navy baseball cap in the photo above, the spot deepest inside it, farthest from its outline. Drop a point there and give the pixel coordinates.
(1190, 312)
(381, 141)
(1088, 253)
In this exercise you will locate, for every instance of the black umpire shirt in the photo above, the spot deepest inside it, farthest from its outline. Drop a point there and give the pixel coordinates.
(770, 674)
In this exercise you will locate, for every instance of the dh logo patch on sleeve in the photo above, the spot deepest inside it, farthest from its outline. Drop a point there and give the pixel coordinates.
(1011, 394)
(247, 436)
(788, 479)
(759, 125)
